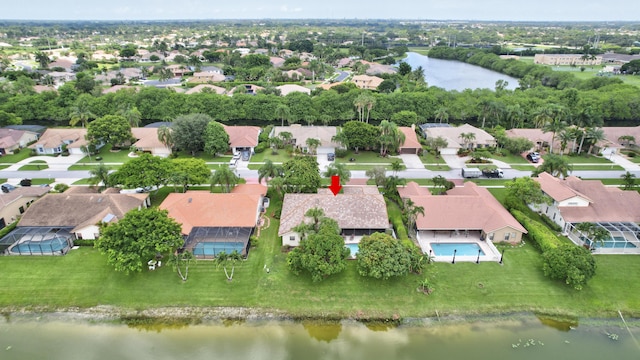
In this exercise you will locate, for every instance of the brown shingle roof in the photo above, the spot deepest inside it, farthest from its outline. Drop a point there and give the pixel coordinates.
(22, 191)
(147, 138)
(205, 209)
(73, 210)
(355, 209)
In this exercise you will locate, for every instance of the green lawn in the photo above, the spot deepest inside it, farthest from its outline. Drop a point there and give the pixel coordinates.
(356, 166)
(434, 163)
(280, 157)
(602, 167)
(34, 166)
(83, 279)
(581, 159)
(107, 156)
(366, 157)
(14, 158)
(523, 167)
(511, 159)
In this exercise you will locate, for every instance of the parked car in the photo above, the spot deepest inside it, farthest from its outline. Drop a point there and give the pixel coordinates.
(7, 188)
(245, 155)
(534, 157)
(234, 161)
(331, 156)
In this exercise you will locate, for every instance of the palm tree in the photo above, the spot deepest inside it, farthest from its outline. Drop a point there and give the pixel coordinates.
(100, 175)
(81, 111)
(312, 144)
(554, 126)
(222, 258)
(177, 260)
(341, 139)
(338, 169)
(440, 182)
(396, 166)
(277, 184)
(267, 171)
(412, 211)
(555, 165)
(165, 136)
(594, 135)
(391, 138)
(362, 101)
(316, 214)
(467, 139)
(286, 137)
(283, 113)
(224, 177)
(131, 113)
(515, 114)
(442, 113)
(565, 136)
(629, 180)
(542, 116)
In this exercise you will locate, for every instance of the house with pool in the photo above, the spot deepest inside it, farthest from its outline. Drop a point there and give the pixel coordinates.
(578, 201)
(463, 224)
(359, 211)
(51, 224)
(212, 223)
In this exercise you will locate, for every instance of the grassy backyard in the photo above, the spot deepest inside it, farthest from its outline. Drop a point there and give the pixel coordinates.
(82, 278)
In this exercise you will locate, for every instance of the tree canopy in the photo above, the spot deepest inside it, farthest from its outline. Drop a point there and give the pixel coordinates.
(321, 253)
(112, 129)
(216, 139)
(381, 256)
(301, 175)
(572, 264)
(144, 171)
(136, 238)
(189, 171)
(188, 132)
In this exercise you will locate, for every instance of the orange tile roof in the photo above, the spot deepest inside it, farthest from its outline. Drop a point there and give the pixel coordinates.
(467, 208)
(205, 209)
(242, 136)
(413, 189)
(254, 189)
(147, 138)
(410, 138)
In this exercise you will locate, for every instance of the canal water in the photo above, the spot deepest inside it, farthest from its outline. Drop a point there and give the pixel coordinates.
(522, 337)
(457, 75)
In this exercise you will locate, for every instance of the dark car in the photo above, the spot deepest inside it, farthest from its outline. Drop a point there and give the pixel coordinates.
(331, 156)
(245, 156)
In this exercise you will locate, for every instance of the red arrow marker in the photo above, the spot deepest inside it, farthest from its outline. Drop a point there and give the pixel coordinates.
(335, 185)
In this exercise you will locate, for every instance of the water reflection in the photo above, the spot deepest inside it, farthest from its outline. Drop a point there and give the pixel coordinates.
(522, 338)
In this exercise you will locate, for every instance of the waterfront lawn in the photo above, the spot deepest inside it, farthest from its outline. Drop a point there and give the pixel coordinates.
(83, 278)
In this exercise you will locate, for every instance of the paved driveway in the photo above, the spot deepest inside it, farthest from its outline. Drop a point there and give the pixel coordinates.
(412, 161)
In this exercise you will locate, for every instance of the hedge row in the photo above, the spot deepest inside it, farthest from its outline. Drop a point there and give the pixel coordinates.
(543, 238)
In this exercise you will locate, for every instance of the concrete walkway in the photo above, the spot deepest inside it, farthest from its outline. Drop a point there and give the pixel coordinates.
(55, 163)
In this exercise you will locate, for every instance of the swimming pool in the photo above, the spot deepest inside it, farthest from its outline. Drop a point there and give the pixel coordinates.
(214, 248)
(462, 249)
(617, 242)
(56, 245)
(354, 248)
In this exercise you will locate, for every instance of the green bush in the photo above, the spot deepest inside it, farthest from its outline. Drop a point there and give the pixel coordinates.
(7, 229)
(261, 147)
(541, 236)
(16, 151)
(60, 187)
(572, 264)
(341, 153)
(83, 242)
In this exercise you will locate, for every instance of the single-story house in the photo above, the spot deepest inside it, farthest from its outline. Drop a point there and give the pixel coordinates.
(242, 138)
(300, 134)
(53, 140)
(539, 138)
(411, 144)
(289, 88)
(455, 141)
(248, 89)
(201, 88)
(612, 134)
(178, 70)
(578, 201)
(15, 202)
(11, 139)
(147, 141)
(359, 211)
(212, 223)
(469, 211)
(367, 82)
(205, 77)
(81, 210)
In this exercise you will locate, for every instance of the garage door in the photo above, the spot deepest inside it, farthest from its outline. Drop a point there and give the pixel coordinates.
(408, 151)
(449, 151)
(325, 150)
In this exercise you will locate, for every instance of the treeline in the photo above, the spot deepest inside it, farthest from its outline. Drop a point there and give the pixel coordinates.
(593, 103)
(530, 74)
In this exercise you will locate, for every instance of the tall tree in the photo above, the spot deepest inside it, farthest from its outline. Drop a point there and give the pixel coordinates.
(594, 135)
(555, 165)
(179, 259)
(81, 111)
(189, 171)
(138, 237)
(224, 177)
(312, 144)
(131, 113)
(360, 135)
(268, 170)
(411, 211)
(629, 180)
(144, 171)
(42, 59)
(223, 259)
(283, 113)
(111, 129)
(216, 139)
(391, 138)
(301, 175)
(188, 132)
(165, 135)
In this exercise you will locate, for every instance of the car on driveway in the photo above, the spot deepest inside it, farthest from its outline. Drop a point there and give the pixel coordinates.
(245, 155)
(534, 157)
(331, 156)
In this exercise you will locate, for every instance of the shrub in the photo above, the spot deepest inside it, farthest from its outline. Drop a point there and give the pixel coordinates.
(16, 151)
(261, 147)
(541, 236)
(83, 242)
(341, 153)
(253, 240)
(60, 187)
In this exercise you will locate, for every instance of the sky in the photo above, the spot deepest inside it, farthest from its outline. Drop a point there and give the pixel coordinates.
(509, 10)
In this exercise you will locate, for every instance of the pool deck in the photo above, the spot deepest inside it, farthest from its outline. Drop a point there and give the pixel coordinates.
(426, 238)
(609, 250)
